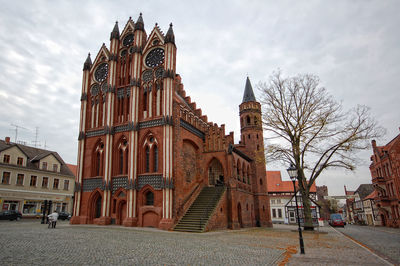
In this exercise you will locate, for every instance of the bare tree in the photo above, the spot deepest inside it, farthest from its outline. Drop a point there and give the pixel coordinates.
(313, 131)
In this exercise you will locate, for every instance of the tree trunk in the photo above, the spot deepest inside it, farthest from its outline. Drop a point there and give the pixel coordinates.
(308, 224)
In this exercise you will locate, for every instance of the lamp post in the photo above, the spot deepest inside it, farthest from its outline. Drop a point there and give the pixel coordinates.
(292, 171)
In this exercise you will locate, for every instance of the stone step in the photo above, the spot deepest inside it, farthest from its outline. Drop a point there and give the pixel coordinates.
(198, 214)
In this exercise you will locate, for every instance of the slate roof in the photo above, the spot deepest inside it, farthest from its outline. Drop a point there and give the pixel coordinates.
(35, 154)
(275, 183)
(364, 190)
(248, 95)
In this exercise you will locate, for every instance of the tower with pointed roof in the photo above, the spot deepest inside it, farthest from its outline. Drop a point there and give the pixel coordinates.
(252, 142)
(146, 152)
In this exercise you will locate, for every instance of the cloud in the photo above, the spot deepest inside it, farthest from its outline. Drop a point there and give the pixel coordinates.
(352, 46)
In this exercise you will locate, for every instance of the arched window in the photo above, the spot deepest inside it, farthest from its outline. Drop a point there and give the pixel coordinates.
(121, 161)
(248, 120)
(150, 198)
(97, 212)
(238, 169)
(244, 173)
(98, 162)
(145, 102)
(248, 175)
(155, 153)
(147, 163)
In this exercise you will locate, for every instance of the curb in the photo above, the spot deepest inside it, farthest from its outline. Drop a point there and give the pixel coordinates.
(373, 252)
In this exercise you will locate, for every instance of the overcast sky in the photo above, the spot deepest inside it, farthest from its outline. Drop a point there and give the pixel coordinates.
(353, 46)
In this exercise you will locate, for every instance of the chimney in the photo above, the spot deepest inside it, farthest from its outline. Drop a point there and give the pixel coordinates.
(7, 140)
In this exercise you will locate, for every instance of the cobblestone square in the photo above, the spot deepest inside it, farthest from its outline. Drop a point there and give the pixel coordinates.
(32, 243)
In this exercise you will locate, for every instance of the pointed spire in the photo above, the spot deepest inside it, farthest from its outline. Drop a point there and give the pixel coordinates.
(170, 37)
(88, 63)
(248, 95)
(115, 32)
(139, 25)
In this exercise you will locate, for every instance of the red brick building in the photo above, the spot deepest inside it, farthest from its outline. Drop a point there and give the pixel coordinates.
(147, 154)
(385, 173)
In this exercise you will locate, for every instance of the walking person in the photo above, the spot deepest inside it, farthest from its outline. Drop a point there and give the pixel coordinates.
(53, 219)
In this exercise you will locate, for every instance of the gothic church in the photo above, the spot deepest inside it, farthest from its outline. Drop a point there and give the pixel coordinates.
(147, 154)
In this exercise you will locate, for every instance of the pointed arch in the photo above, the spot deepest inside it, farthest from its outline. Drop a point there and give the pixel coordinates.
(120, 160)
(149, 155)
(238, 169)
(248, 174)
(239, 213)
(215, 172)
(119, 206)
(155, 158)
(189, 153)
(94, 206)
(98, 158)
(243, 172)
(147, 159)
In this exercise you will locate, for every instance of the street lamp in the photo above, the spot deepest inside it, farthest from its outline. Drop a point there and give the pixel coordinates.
(292, 171)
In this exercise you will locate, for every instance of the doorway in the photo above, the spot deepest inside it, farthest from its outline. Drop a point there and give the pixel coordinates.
(239, 212)
(215, 173)
(121, 212)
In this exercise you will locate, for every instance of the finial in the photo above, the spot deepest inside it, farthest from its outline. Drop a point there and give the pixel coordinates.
(156, 24)
(139, 25)
(115, 32)
(170, 37)
(88, 63)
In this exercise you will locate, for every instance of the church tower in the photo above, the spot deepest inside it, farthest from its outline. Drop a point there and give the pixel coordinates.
(251, 136)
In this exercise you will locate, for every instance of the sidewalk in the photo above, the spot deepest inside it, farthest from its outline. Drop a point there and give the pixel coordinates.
(324, 246)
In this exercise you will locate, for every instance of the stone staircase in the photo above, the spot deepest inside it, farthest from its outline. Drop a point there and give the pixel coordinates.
(198, 214)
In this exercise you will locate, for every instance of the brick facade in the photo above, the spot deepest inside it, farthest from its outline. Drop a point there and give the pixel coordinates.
(385, 173)
(146, 149)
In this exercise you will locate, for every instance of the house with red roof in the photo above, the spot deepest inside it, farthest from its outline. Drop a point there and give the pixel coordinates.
(281, 195)
(370, 209)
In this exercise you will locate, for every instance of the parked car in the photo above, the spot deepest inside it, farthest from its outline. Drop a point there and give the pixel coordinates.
(10, 215)
(336, 220)
(64, 216)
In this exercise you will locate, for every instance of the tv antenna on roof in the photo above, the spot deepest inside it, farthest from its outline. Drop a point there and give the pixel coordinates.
(36, 142)
(16, 131)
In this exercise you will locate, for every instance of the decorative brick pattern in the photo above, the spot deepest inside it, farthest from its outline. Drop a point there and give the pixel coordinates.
(156, 181)
(118, 182)
(92, 183)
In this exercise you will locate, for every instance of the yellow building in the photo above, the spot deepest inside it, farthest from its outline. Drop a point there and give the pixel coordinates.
(30, 175)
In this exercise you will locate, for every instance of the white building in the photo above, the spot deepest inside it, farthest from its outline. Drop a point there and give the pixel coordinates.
(280, 193)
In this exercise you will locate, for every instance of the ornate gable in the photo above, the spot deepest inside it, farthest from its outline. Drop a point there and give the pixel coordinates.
(156, 38)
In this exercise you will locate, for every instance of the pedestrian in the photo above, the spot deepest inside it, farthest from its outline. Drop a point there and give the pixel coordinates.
(53, 219)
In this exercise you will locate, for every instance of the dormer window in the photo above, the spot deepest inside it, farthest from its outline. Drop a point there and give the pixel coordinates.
(6, 158)
(20, 161)
(44, 166)
(55, 167)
